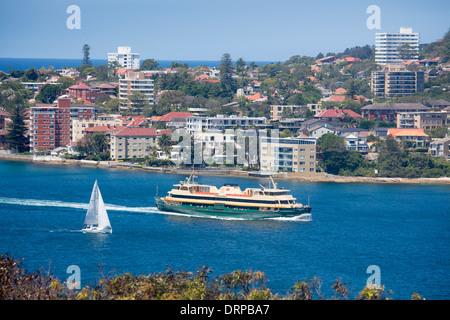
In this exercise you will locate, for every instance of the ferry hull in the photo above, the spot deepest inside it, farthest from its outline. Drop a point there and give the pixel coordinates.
(248, 214)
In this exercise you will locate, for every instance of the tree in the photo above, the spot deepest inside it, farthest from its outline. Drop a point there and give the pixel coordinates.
(165, 142)
(66, 82)
(406, 52)
(138, 101)
(149, 64)
(96, 146)
(240, 66)
(16, 137)
(86, 52)
(49, 93)
(113, 66)
(31, 74)
(226, 74)
(329, 142)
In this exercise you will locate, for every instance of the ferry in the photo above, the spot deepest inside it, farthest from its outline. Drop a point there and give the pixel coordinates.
(229, 201)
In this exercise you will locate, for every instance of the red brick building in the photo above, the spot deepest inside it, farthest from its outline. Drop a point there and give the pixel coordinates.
(83, 91)
(51, 124)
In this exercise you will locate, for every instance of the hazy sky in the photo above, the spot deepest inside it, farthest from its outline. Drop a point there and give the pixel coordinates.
(205, 29)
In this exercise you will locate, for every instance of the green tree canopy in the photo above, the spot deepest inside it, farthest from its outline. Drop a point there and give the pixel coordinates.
(16, 137)
(49, 93)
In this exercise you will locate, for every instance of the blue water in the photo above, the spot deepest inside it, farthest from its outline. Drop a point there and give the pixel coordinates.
(26, 63)
(401, 228)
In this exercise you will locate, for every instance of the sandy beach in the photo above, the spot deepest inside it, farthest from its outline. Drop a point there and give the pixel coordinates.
(317, 176)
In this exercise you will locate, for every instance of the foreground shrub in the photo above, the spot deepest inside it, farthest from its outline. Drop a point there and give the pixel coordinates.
(16, 283)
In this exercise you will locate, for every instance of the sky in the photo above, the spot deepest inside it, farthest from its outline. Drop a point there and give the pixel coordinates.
(255, 30)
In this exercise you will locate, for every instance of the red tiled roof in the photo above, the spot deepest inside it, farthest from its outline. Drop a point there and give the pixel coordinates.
(141, 132)
(351, 59)
(106, 85)
(256, 96)
(167, 117)
(340, 91)
(80, 86)
(338, 98)
(104, 128)
(407, 133)
(338, 113)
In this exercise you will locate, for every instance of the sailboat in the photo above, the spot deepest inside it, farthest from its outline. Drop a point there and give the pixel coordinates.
(96, 220)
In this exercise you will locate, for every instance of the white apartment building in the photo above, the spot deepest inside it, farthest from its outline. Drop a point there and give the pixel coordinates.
(387, 44)
(126, 58)
(135, 81)
(220, 122)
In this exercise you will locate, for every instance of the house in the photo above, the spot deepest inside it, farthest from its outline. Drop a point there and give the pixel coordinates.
(417, 136)
(340, 91)
(83, 92)
(326, 60)
(107, 88)
(311, 123)
(352, 59)
(336, 98)
(440, 148)
(318, 131)
(356, 142)
(257, 97)
(388, 111)
(332, 114)
(440, 103)
(293, 124)
(134, 142)
(58, 151)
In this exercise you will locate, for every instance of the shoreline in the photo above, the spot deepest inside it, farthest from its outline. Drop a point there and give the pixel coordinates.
(312, 177)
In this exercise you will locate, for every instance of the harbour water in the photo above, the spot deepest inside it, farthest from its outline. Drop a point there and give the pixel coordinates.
(401, 228)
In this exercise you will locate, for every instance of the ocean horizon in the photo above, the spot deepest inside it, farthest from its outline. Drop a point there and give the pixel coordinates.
(27, 63)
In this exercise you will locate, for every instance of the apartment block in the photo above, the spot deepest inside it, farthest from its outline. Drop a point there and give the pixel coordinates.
(125, 58)
(396, 81)
(135, 82)
(387, 45)
(51, 124)
(134, 142)
(423, 120)
(289, 154)
(79, 126)
(388, 111)
(276, 111)
(220, 122)
(440, 148)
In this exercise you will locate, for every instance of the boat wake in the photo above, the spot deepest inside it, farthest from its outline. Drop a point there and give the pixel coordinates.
(73, 205)
(140, 210)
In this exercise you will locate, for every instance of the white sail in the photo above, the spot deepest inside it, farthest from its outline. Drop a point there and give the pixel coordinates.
(102, 215)
(96, 216)
(92, 214)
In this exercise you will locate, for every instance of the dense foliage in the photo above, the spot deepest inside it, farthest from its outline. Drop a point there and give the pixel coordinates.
(17, 284)
(394, 160)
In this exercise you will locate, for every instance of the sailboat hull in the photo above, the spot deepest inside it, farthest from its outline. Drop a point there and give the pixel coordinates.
(96, 230)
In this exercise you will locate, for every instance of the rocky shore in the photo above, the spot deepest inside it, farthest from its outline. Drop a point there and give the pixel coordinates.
(317, 176)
